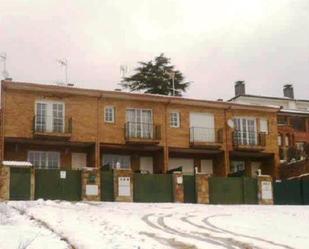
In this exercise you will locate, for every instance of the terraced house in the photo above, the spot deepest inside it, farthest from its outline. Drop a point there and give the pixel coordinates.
(71, 128)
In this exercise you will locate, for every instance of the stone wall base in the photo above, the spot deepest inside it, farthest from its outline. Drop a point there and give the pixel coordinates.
(91, 190)
(202, 188)
(123, 185)
(265, 190)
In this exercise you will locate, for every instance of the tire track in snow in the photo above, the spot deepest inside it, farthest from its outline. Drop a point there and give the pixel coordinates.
(207, 222)
(227, 242)
(45, 225)
(163, 227)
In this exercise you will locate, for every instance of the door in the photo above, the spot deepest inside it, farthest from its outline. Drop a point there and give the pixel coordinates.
(207, 167)
(189, 189)
(79, 160)
(20, 179)
(245, 131)
(202, 127)
(49, 116)
(139, 123)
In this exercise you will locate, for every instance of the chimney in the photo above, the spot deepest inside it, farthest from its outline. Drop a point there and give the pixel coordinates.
(240, 88)
(288, 91)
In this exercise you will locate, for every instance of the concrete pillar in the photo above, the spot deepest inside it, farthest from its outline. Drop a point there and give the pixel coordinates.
(202, 188)
(265, 190)
(178, 188)
(123, 185)
(91, 190)
(4, 183)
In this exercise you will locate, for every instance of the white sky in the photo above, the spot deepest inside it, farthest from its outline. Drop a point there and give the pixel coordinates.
(214, 43)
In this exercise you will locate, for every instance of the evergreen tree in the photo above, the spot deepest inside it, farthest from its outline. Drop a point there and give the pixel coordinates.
(156, 77)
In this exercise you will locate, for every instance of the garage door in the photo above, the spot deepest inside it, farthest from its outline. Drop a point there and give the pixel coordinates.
(187, 164)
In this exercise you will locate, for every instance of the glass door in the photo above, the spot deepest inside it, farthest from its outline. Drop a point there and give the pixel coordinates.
(139, 123)
(245, 131)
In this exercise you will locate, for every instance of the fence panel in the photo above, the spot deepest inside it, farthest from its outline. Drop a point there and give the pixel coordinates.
(226, 190)
(250, 190)
(305, 183)
(288, 192)
(189, 189)
(107, 186)
(153, 188)
(20, 183)
(49, 184)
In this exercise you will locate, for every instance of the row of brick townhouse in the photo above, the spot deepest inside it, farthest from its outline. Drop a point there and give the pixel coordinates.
(67, 127)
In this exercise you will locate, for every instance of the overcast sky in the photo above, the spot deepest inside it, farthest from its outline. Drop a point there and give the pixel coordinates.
(214, 43)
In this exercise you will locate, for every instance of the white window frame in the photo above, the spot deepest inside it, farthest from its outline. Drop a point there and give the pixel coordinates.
(46, 155)
(49, 116)
(174, 120)
(109, 110)
(244, 137)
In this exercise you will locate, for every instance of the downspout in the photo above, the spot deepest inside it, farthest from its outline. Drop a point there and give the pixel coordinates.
(97, 146)
(165, 150)
(226, 131)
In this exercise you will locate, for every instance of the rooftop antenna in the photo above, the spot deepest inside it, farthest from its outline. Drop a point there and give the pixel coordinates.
(171, 75)
(123, 71)
(64, 63)
(5, 73)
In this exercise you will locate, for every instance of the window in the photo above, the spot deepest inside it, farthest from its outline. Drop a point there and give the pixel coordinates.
(44, 159)
(279, 140)
(264, 125)
(202, 127)
(287, 140)
(245, 131)
(298, 123)
(139, 123)
(237, 166)
(49, 116)
(109, 114)
(282, 120)
(116, 161)
(175, 119)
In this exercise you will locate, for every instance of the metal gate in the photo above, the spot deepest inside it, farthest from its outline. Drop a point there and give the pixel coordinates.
(153, 188)
(189, 189)
(305, 191)
(20, 183)
(288, 192)
(107, 186)
(250, 190)
(55, 184)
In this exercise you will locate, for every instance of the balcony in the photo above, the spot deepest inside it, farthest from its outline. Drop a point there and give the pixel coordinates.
(142, 133)
(249, 141)
(209, 138)
(51, 127)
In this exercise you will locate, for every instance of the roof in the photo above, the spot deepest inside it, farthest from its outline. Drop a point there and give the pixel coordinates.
(128, 95)
(16, 164)
(267, 97)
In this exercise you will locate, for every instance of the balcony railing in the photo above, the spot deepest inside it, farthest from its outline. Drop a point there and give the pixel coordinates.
(137, 131)
(205, 136)
(51, 125)
(249, 139)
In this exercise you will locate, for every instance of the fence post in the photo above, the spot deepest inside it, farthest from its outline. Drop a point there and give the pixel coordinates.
(178, 191)
(265, 190)
(123, 185)
(4, 183)
(202, 188)
(91, 184)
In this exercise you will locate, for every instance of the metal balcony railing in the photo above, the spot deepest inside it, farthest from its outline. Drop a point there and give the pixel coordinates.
(51, 124)
(206, 135)
(249, 138)
(143, 131)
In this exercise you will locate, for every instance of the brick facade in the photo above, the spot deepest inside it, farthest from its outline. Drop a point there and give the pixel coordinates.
(91, 135)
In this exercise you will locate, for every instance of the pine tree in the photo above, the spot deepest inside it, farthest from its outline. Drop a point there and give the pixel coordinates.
(156, 77)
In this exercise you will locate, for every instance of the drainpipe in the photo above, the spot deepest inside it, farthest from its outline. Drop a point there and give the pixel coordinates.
(226, 131)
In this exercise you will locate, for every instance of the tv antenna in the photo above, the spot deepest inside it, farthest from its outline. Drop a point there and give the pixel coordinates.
(64, 63)
(5, 73)
(123, 71)
(171, 75)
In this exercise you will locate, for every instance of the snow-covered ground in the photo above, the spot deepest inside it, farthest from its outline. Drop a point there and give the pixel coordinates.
(93, 225)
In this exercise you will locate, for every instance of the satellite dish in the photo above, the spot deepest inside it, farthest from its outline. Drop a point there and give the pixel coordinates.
(230, 123)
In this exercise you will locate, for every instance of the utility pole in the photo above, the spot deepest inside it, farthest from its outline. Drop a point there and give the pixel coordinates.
(172, 77)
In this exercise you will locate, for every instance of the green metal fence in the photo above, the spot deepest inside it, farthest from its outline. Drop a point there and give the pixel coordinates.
(20, 183)
(189, 189)
(54, 184)
(232, 190)
(153, 188)
(107, 186)
(291, 192)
